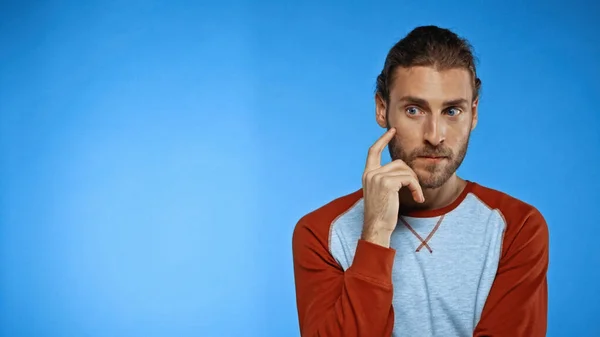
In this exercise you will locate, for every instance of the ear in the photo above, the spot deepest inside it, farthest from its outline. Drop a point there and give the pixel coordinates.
(474, 109)
(380, 111)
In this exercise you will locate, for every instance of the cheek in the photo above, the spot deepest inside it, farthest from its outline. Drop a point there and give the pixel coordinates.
(408, 136)
(405, 144)
(406, 126)
(458, 132)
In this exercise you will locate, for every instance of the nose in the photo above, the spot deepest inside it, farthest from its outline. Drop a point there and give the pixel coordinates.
(435, 131)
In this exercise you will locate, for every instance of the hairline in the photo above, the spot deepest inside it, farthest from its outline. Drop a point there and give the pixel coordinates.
(437, 67)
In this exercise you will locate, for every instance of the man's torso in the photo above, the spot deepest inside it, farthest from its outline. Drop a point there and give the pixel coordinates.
(446, 260)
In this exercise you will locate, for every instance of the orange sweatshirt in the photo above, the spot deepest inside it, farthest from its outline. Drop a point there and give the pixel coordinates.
(474, 268)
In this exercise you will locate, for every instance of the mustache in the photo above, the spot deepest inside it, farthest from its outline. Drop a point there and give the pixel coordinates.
(432, 152)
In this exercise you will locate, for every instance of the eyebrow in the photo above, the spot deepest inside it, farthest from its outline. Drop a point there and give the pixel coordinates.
(424, 103)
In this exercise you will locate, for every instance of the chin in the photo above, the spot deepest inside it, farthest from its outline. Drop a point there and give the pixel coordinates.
(432, 180)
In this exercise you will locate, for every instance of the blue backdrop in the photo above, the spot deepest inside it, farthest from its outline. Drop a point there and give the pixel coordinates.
(156, 155)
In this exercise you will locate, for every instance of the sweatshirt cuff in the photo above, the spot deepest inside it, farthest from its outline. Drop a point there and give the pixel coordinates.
(374, 261)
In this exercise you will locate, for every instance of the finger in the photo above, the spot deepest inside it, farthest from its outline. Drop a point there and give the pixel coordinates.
(374, 155)
(415, 190)
(404, 180)
(398, 166)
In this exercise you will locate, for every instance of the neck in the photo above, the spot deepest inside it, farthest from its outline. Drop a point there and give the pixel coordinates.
(434, 198)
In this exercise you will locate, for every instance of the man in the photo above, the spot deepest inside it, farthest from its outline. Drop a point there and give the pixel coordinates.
(419, 251)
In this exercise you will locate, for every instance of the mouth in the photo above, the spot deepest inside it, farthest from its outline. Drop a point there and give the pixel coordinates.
(432, 158)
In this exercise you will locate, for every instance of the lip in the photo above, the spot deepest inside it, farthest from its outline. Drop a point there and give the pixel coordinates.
(433, 159)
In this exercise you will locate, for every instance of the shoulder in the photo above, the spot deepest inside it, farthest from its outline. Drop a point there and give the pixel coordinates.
(524, 223)
(315, 226)
(511, 208)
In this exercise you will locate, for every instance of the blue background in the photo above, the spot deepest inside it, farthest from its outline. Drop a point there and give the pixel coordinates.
(156, 155)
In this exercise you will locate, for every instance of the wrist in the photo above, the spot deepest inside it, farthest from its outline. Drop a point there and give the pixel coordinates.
(377, 235)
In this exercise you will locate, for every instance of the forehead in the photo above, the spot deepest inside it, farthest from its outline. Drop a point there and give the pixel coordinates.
(431, 84)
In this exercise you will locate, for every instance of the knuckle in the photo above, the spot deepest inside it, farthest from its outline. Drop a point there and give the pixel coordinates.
(411, 183)
(401, 164)
(372, 150)
(387, 182)
(379, 178)
(369, 175)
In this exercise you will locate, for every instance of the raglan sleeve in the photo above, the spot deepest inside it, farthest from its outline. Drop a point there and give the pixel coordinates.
(518, 300)
(332, 302)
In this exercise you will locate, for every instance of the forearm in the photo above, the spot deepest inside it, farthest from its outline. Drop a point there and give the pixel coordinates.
(359, 302)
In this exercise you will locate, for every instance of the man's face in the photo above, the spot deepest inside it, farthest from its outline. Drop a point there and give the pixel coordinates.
(433, 113)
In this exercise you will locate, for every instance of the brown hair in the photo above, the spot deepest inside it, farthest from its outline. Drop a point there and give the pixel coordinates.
(428, 46)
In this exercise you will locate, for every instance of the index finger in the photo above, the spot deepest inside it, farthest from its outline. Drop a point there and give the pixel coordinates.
(374, 155)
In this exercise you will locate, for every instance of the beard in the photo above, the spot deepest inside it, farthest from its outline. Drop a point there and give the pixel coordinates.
(436, 174)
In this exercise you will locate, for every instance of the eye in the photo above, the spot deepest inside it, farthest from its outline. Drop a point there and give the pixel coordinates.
(412, 111)
(453, 112)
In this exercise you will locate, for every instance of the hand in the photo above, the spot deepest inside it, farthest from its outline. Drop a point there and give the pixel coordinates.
(381, 185)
